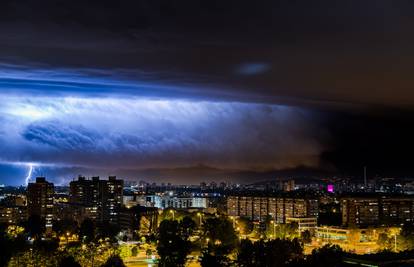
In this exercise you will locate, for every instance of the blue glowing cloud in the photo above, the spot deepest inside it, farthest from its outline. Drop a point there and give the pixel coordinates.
(102, 123)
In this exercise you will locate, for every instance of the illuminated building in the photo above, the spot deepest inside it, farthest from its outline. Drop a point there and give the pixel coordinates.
(84, 194)
(278, 208)
(397, 210)
(360, 211)
(84, 191)
(13, 209)
(306, 223)
(13, 215)
(260, 208)
(332, 233)
(110, 192)
(377, 210)
(233, 206)
(40, 200)
(101, 199)
(169, 201)
(289, 185)
(183, 202)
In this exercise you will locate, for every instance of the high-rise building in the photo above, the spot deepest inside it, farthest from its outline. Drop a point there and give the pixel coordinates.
(277, 208)
(84, 191)
(377, 210)
(84, 195)
(111, 195)
(289, 186)
(286, 185)
(13, 214)
(40, 200)
(13, 209)
(102, 199)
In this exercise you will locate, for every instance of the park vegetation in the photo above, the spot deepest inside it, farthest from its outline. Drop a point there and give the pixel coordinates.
(209, 239)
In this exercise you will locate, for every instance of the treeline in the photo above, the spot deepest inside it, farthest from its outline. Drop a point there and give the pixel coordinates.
(26, 245)
(221, 246)
(208, 239)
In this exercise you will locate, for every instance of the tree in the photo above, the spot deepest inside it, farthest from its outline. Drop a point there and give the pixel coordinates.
(246, 225)
(187, 226)
(276, 252)
(68, 261)
(172, 247)
(279, 252)
(137, 212)
(246, 254)
(287, 230)
(384, 242)
(6, 250)
(406, 237)
(65, 227)
(134, 251)
(108, 230)
(148, 252)
(11, 244)
(87, 231)
(306, 237)
(220, 231)
(222, 239)
(211, 258)
(327, 256)
(47, 246)
(114, 261)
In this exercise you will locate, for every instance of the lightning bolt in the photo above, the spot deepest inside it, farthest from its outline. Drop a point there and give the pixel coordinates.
(29, 174)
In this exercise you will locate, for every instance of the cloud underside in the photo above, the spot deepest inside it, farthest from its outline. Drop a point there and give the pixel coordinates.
(136, 132)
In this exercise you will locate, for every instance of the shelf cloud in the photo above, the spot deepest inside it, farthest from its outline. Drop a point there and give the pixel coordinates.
(120, 132)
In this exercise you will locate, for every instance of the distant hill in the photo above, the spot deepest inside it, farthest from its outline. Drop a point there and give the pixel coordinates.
(199, 173)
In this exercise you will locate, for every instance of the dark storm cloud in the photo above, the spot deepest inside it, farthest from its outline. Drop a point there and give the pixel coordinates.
(314, 52)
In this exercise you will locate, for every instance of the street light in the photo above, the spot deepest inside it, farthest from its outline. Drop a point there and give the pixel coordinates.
(173, 214)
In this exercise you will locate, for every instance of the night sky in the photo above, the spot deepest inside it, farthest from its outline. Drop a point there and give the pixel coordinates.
(184, 91)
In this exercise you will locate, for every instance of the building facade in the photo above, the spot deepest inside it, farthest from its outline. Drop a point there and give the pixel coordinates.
(305, 223)
(13, 215)
(40, 200)
(275, 208)
(175, 202)
(377, 210)
(97, 199)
